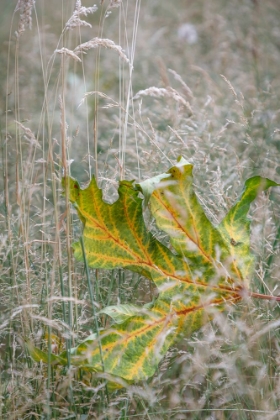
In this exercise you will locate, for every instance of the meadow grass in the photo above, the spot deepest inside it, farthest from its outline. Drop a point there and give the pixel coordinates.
(120, 90)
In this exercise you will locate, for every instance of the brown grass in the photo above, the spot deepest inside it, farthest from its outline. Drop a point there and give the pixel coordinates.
(148, 96)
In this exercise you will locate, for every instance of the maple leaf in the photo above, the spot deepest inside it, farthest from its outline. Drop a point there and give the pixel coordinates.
(208, 266)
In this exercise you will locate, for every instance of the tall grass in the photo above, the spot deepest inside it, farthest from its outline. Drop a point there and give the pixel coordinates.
(116, 91)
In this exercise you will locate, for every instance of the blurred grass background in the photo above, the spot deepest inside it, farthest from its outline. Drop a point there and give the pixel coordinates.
(222, 61)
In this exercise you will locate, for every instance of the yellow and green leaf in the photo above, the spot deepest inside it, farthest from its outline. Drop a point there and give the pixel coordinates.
(207, 267)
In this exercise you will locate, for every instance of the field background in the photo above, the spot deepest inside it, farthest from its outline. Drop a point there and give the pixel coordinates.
(219, 109)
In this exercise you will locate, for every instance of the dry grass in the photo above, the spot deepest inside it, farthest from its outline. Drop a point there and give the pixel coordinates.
(210, 92)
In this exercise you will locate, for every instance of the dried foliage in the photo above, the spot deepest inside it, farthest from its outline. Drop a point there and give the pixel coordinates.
(147, 77)
(25, 8)
(100, 42)
(75, 20)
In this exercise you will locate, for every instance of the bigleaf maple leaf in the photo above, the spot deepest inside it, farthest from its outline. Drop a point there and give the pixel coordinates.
(205, 267)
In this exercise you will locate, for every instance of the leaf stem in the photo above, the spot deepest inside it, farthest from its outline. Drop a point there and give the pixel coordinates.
(261, 296)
